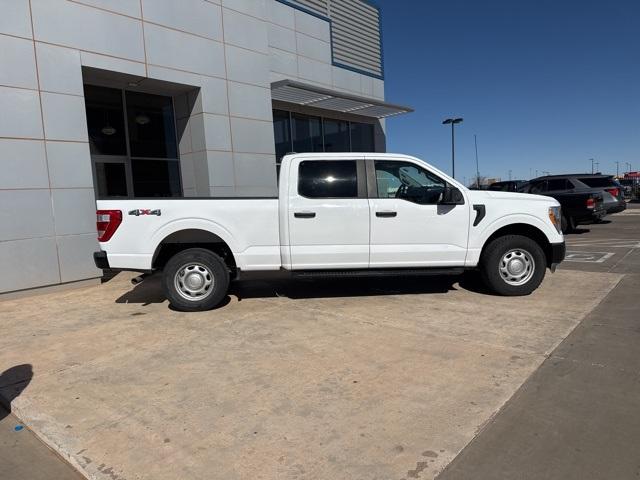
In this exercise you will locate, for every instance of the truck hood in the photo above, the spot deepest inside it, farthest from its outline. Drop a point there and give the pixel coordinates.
(480, 196)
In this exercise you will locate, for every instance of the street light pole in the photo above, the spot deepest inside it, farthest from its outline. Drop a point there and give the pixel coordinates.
(591, 165)
(453, 122)
(475, 141)
(509, 174)
(617, 169)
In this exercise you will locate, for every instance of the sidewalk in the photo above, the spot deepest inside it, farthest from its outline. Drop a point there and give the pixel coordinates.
(23, 456)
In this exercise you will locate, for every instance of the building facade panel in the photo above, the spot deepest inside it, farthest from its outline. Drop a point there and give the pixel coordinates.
(33, 262)
(17, 64)
(23, 164)
(25, 213)
(59, 69)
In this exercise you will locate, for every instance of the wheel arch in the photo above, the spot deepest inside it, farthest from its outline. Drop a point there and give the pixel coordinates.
(186, 238)
(526, 230)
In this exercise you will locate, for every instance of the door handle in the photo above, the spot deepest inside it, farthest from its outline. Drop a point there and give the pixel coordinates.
(304, 214)
(386, 214)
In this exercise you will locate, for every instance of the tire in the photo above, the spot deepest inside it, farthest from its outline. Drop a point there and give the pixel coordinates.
(195, 279)
(567, 224)
(500, 261)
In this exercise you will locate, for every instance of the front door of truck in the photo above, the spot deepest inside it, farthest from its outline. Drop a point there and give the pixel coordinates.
(328, 214)
(409, 225)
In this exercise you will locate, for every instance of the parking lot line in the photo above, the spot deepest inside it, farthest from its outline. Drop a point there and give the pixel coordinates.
(613, 243)
(588, 257)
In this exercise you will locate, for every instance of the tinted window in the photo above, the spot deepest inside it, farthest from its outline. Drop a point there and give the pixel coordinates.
(281, 133)
(156, 178)
(328, 179)
(499, 186)
(409, 182)
(148, 165)
(595, 182)
(151, 126)
(307, 133)
(336, 136)
(537, 187)
(111, 179)
(557, 184)
(105, 120)
(362, 137)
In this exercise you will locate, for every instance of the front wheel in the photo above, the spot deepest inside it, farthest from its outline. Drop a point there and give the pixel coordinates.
(513, 265)
(195, 279)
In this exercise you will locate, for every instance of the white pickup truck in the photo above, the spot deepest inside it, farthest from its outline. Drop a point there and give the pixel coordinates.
(336, 215)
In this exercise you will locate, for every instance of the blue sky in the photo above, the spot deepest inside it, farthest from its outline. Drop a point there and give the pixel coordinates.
(544, 84)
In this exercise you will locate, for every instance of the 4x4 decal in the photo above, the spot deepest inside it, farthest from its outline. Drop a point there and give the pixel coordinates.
(147, 211)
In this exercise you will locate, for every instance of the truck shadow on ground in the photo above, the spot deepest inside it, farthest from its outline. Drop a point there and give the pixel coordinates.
(578, 231)
(12, 382)
(150, 290)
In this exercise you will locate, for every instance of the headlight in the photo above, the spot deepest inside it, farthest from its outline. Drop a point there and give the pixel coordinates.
(555, 216)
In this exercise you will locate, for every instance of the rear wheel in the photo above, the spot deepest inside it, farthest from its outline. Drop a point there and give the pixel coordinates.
(195, 279)
(513, 265)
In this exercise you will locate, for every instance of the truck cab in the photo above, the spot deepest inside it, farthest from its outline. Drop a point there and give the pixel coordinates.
(337, 214)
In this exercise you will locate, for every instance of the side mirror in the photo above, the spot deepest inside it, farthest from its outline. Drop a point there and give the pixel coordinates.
(451, 196)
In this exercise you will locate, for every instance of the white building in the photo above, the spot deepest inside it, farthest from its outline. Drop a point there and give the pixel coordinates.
(153, 98)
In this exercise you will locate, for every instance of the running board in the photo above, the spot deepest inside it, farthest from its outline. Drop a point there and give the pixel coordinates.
(383, 272)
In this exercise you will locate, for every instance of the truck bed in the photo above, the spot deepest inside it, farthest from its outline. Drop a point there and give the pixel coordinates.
(255, 241)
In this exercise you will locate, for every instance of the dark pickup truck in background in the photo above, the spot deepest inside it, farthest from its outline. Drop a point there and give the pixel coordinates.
(507, 186)
(580, 203)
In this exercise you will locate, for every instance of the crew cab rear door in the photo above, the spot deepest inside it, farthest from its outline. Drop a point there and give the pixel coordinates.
(328, 213)
(409, 226)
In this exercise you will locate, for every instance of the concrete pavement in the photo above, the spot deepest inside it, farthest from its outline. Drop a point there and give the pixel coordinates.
(340, 379)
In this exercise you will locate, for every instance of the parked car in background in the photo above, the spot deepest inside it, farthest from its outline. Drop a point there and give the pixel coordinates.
(627, 187)
(507, 185)
(612, 191)
(580, 203)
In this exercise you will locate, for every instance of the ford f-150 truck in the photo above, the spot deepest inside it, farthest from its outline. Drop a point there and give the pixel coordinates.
(337, 214)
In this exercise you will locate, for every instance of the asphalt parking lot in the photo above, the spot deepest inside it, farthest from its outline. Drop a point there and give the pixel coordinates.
(611, 246)
(339, 379)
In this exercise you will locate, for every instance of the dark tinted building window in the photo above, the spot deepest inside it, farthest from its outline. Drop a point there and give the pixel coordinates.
(152, 131)
(282, 133)
(146, 166)
(111, 179)
(336, 136)
(307, 133)
(156, 178)
(328, 179)
(362, 137)
(105, 120)
(295, 132)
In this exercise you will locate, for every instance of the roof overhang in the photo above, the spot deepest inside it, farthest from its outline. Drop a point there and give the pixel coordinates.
(290, 91)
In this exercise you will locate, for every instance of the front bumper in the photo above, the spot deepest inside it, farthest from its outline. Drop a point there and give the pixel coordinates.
(558, 252)
(101, 260)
